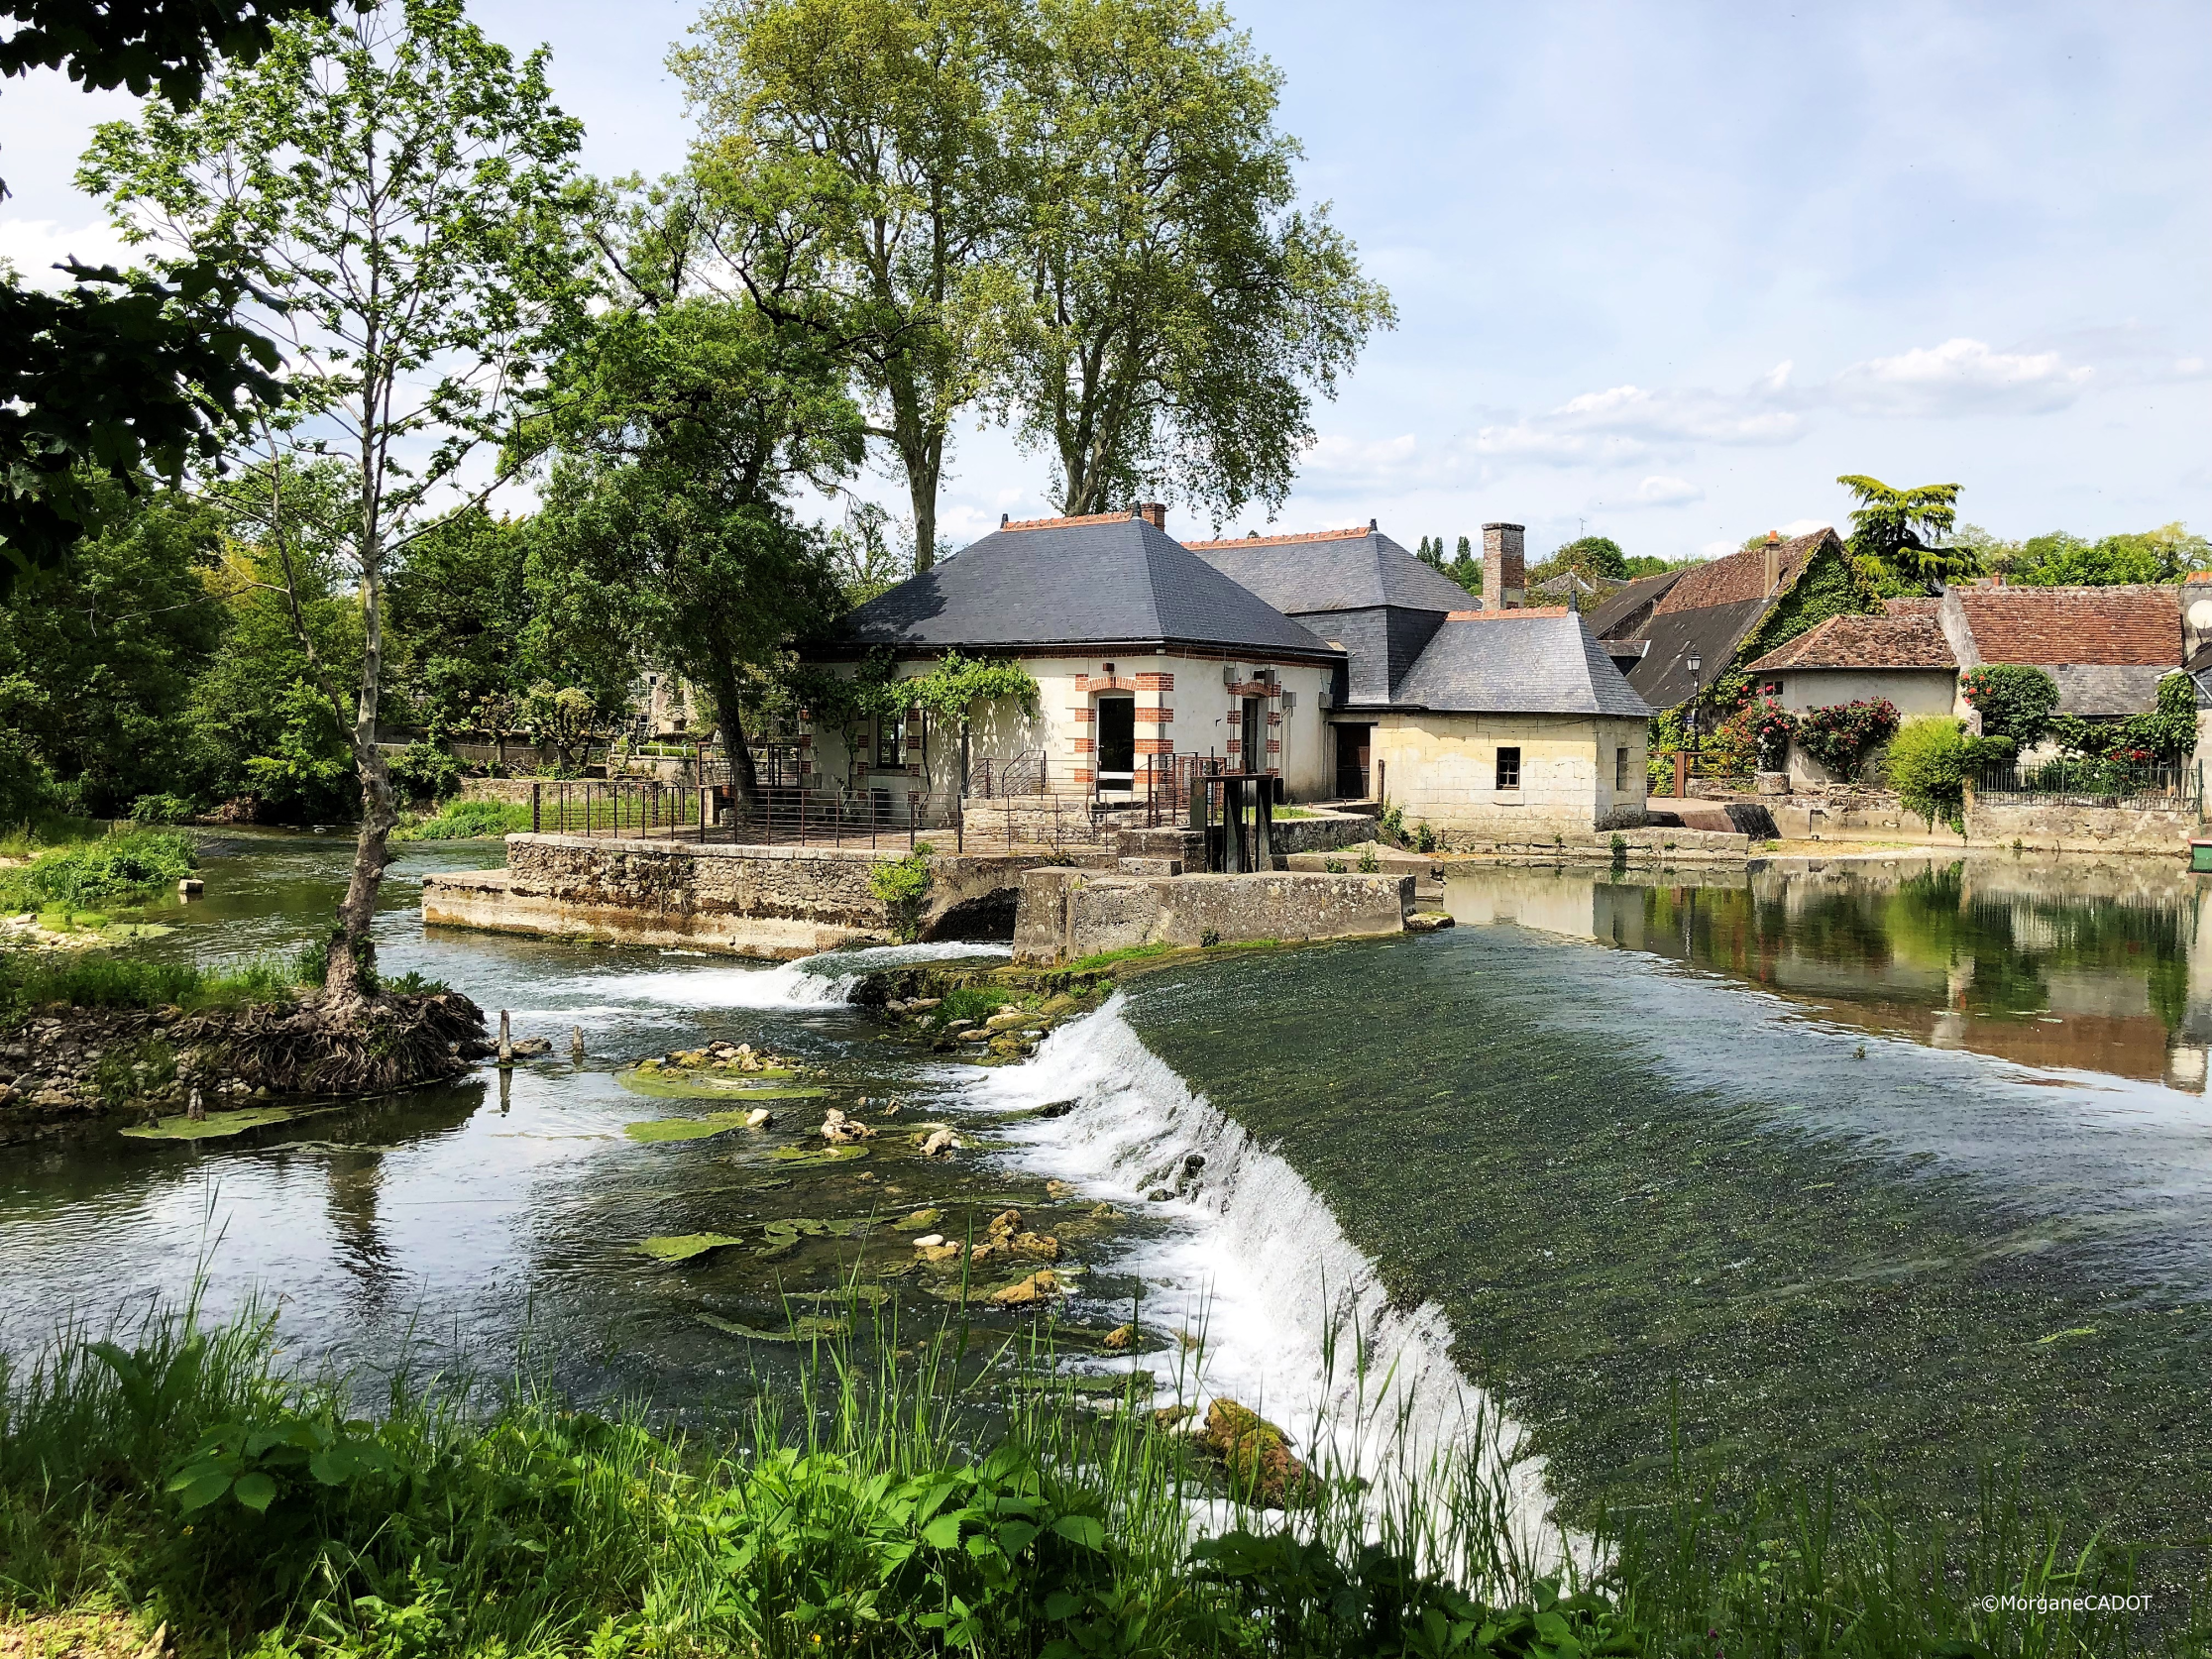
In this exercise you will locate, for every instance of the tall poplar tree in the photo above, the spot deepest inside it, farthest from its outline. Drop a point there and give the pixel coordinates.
(868, 134)
(403, 184)
(1179, 308)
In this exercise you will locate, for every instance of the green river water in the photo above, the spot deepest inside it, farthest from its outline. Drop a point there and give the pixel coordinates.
(1899, 1174)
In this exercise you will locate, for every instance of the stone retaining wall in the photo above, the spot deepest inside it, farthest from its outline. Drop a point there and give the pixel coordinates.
(2042, 824)
(1066, 914)
(778, 902)
(2051, 827)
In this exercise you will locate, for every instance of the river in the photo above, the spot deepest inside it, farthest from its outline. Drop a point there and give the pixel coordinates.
(1897, 1173)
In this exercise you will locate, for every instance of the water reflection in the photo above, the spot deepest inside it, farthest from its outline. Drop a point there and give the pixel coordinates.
(2075, 966)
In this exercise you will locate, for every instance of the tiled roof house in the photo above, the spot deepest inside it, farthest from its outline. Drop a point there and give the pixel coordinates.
(2106, 647)
(1718, 611)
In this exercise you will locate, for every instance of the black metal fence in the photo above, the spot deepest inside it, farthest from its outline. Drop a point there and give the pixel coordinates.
(1180, 791)
(2075, 781)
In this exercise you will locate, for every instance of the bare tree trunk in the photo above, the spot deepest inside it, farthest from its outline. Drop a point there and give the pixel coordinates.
(351, 976)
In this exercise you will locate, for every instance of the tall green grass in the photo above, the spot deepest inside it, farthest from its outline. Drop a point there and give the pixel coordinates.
(912, 1495)
(34, 836)
(127, 863)
(102, 979)
(465, 821)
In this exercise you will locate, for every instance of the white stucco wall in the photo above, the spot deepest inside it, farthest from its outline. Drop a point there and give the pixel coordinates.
(1183, 707)
(1915, 691)
(1442, 769)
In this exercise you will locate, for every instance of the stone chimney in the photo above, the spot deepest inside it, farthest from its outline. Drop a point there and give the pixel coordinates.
(1154, 513)
(1773, 551)
(1504, 567)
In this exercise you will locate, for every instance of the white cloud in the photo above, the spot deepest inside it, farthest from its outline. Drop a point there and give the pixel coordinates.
(1959, 377)
(1629, 425)
(35, 246)
(1668, 491)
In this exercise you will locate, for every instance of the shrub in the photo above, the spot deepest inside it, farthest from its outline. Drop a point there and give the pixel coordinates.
(1841, 735)
(426, 772)
(161, 809)
(1930, 762)
(1424, 838)
(131, 864)
(1772, 728)
(1368, 863)
(903, 886)
(466, 820)
(2014, 700)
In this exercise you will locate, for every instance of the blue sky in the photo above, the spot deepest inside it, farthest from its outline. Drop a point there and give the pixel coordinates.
(1662, 271)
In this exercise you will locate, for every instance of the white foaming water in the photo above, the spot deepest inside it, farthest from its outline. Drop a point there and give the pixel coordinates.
(817, 981)
(1259, 1268)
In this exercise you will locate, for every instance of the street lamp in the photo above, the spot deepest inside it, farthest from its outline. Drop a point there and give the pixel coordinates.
(1697, 687)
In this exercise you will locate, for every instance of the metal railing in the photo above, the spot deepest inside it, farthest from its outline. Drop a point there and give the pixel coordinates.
(2075, 781)
(1168, 792)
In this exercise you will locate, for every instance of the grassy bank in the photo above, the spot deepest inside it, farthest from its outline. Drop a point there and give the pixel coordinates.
(80, 876)
(890, 1508)
(460, 821)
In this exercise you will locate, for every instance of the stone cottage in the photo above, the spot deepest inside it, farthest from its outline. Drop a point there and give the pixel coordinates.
(1140, 650)
(1726, 613)
(1337, 661)
(2107, 648)
(1480, 722)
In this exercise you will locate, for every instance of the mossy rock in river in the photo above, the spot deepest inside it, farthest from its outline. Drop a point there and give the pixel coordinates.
(710, 1085)
(682, 1247)
(654, 1130)
(215, 1125)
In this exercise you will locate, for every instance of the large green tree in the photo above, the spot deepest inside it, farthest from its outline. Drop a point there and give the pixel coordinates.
(1902, 537)
(459, 620)
(404, 182)
(1178, 307)
(862, 141)
(98, 659)
(679, 430)
(124, 376)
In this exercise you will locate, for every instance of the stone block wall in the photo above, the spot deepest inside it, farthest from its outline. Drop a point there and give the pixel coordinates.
(1442, 770)
(2057, 828)
(1065, 915)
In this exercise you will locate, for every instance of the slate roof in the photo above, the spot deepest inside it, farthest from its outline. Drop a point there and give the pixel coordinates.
(1332, 569)
(1851, 641)
(1540, 661)
(1109, 579)
(1708, 609)
(1624, 609)
(2109, 688)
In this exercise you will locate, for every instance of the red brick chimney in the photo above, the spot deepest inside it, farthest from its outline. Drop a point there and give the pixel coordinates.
(1773, 562)
(1504, 567)
(1154, 513)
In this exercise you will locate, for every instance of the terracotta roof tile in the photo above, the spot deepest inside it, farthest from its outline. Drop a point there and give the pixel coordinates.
(1277, 541)
(1507, 614)
(1737, 577)
(1064, 523)
(2138, 626)
(1852, 641)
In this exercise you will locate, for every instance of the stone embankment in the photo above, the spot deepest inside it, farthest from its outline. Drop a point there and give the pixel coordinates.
(1066, 915)
(774, 902)
(67, 1066)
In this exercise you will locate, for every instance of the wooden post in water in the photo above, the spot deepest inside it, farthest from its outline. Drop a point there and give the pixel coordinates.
(506, 1041)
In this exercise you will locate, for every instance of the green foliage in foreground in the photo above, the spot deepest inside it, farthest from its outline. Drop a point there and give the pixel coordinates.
(172, 1469)
(903, 887)
(101, 979)
(1932, 762)
(131, 864)
(463, 820)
